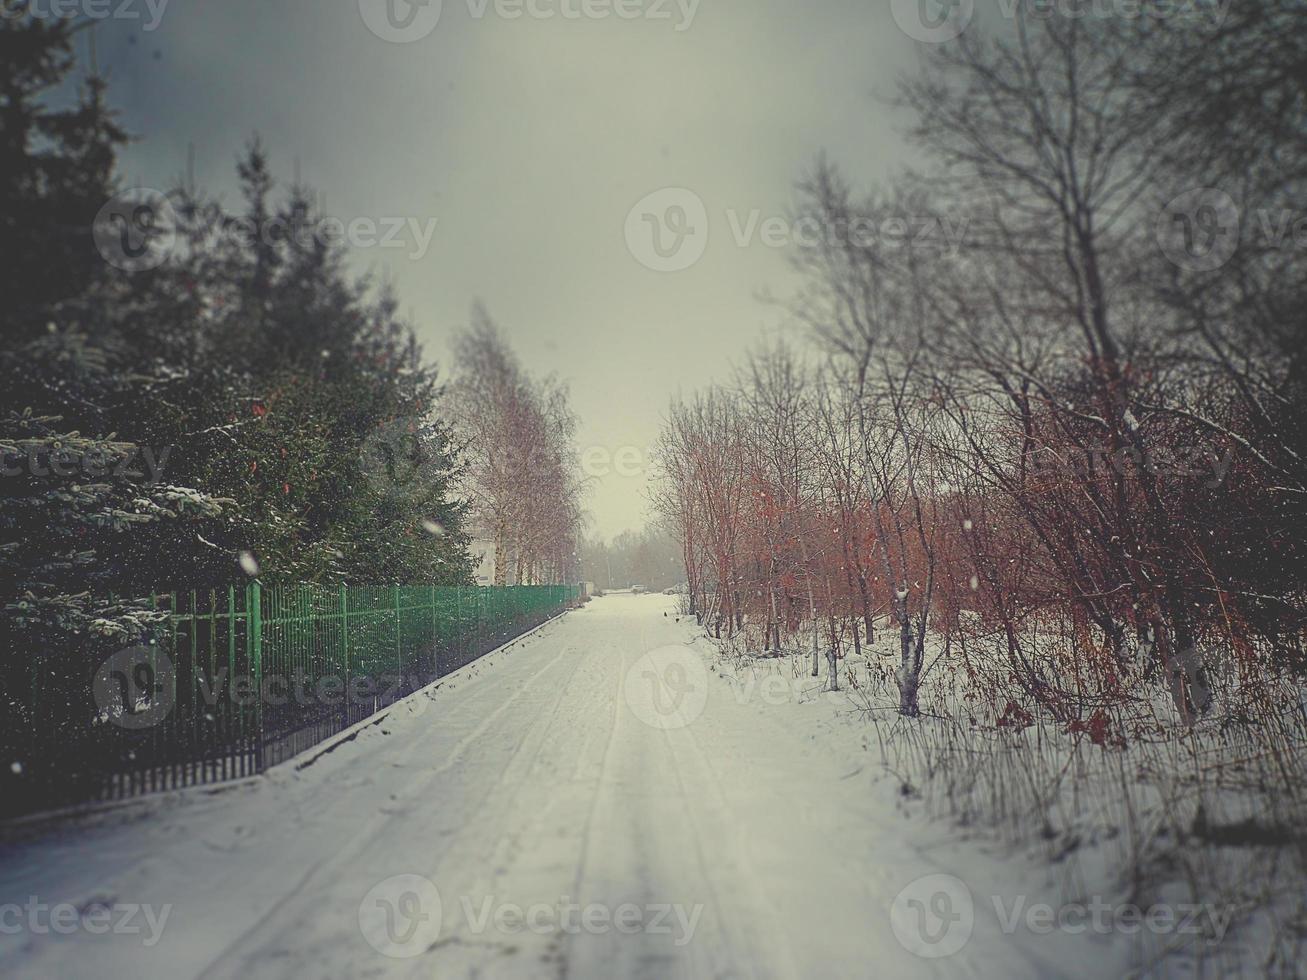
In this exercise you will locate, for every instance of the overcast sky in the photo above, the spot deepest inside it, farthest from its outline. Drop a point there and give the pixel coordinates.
(529, 141)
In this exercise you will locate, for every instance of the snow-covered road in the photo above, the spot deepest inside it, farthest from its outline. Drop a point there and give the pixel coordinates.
(587, 802)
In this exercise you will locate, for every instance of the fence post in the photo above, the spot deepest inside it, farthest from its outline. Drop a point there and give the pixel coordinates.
(254, 644)
(229, 706)
(344, 643)
(399, 642)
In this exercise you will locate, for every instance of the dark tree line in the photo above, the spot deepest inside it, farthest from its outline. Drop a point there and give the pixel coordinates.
(242, 406)
(1090, 413)
(650, 558)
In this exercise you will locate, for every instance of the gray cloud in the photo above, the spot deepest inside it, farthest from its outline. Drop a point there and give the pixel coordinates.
(529, 140)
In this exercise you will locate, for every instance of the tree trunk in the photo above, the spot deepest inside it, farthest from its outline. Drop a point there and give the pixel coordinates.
(866, 608)
(812, 614)
(909, 666)
(1186, 677)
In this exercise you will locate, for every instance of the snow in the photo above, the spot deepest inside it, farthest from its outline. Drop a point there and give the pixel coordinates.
(594, 800)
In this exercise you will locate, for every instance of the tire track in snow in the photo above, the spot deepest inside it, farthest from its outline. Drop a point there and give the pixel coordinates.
(230, 963)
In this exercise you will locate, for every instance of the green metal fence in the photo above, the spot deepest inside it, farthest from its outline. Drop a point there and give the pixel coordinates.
(238, 680)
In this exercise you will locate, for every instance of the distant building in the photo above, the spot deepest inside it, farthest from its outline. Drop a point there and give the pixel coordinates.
(483, 553)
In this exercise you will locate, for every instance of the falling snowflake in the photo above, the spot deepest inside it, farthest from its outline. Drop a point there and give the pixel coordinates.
(249, 564)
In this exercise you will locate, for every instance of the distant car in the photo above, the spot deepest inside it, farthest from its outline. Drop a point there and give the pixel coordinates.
(637, 589)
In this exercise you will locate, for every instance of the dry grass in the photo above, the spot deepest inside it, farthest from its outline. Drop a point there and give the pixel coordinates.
(1139, 804)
